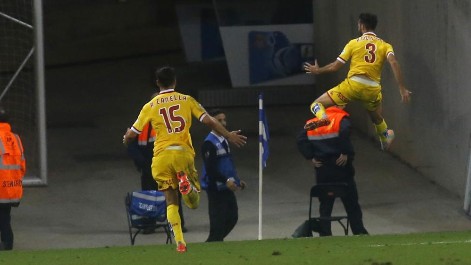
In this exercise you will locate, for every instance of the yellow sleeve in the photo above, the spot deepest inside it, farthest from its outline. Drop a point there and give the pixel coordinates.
(346, 54)
(389, 49)
(196, 109)
(142, 119)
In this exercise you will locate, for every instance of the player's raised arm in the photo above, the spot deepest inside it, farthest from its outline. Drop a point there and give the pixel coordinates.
(405, 94)
(315, 69)
(233, 137)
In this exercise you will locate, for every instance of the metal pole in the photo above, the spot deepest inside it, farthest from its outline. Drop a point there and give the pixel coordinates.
(16, 20)
(467, 192)
(40, 89)
(260, 168)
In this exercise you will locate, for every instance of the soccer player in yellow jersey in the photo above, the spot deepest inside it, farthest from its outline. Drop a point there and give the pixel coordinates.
(170, 114)
(367, 55)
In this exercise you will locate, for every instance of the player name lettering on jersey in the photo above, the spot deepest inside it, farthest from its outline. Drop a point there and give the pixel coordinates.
(368, 37)
(170, 98)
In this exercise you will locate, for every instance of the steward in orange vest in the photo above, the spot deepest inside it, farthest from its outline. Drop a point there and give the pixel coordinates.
(12, 165)
(331, 151)
(326, 143)
(12, 170)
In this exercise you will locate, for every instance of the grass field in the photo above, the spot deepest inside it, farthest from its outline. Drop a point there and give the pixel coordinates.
(451, 248)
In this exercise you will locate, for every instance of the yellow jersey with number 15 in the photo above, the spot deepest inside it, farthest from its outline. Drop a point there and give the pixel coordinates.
(368, 54)
(170, 114)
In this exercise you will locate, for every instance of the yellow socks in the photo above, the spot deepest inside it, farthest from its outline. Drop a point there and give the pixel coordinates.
(318, 110)
(381, 129)
(174, 219)
(192, 199)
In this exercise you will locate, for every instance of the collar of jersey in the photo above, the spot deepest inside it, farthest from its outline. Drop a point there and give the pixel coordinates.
(167, 91)
(369, 33)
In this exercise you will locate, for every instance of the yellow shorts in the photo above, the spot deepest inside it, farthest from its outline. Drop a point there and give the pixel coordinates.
(350, 90)
(168, 162)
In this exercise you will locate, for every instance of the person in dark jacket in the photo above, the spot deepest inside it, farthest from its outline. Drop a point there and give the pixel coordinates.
(331, 152)
(141, 151)
(220, 180)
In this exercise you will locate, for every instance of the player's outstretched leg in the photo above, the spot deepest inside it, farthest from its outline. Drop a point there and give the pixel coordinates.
(318, 110)
(386, 139)
(181, 247)
(190, 194)
(174, 219)
(316, 124)
(386, 136)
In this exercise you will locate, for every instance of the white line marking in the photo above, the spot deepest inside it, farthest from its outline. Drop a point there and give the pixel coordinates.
(423, 243)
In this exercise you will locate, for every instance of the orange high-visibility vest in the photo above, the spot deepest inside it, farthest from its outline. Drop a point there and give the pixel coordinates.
(147, 135)
(330, 131)
(12, 165)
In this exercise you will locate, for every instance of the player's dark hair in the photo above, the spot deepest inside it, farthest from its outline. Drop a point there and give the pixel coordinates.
(214, 112)
(369, 20)
(166, 76)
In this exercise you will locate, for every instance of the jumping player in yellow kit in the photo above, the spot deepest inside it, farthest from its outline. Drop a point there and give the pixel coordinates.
(170, 114)
(367, 55)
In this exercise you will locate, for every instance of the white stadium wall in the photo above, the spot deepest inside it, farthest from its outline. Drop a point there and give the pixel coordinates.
(431, 40)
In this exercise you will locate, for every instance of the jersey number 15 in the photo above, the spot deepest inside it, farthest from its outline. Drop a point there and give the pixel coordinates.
(171, 119)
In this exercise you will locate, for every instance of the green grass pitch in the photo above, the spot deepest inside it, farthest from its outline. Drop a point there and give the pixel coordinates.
(447, 248)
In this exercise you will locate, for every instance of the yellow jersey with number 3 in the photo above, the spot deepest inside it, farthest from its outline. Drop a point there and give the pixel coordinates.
(170, 114)
(367, 54)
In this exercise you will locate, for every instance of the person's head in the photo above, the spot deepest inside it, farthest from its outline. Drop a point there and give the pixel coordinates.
(367, 22)
(3, 115)
(166, 77)
(219, 115)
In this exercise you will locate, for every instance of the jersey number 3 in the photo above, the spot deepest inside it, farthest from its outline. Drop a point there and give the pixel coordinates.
(371, 56)
(168, 114)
